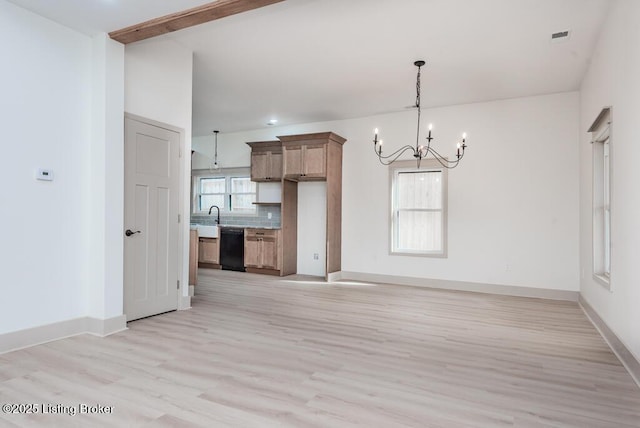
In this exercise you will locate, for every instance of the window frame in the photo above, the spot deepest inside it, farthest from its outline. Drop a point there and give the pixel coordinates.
(228, 174)
(601, 197)
(410, 166)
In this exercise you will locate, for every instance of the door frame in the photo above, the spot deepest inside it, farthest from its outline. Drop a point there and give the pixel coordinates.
(184, 301)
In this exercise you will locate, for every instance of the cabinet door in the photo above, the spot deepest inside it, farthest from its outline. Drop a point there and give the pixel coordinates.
(252, 251)
(208, 250)
(275, 172)
(269, 253)
(193, 257)
(293, 161)
(259, 166)
(315, 161)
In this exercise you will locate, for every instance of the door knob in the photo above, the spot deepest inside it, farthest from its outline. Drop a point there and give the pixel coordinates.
(129, 232)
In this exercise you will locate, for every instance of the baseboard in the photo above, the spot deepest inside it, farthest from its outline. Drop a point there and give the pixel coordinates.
(106, 327)
(184, 303)
(507, 290)
(60, 330)
(262, 271)
(334, 276)
(626, 357)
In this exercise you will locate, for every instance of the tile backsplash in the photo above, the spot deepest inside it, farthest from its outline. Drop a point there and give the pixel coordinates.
(227, 219)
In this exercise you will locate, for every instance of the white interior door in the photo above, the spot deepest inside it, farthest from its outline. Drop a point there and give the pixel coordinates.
(151, 219)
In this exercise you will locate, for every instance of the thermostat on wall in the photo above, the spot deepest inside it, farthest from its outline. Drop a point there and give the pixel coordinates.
(44, 175)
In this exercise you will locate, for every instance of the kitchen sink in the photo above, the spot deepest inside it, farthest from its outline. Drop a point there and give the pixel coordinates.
(207, 231)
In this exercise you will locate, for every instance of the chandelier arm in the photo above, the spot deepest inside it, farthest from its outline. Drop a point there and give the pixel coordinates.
(400, 151)
(438, 155)
(445, 163)
(394, 156)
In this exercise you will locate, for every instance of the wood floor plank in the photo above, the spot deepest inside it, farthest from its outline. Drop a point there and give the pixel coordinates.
(262, 351)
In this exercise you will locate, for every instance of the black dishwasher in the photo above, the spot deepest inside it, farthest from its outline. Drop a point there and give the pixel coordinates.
(232, 248)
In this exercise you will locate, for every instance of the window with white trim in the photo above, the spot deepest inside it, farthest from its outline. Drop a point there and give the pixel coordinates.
(419, 208)
(601, 141)
(232, 191)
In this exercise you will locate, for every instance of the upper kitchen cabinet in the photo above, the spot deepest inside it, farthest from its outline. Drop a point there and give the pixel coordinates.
(266, 161)
(306, 156)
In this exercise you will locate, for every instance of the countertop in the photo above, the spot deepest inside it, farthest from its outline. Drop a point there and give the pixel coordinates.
(232, 226)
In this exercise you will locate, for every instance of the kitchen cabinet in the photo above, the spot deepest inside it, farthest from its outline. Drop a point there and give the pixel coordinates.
(305, 162)
(309, 157)
(266, 161)
(303, 157)
(261, 250)
(209, 252)
(193, 257)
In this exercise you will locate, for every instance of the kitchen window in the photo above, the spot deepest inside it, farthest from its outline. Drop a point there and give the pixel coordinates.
(231, 190)
(419, 209)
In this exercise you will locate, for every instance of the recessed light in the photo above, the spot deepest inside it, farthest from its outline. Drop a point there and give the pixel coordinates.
(272, 121)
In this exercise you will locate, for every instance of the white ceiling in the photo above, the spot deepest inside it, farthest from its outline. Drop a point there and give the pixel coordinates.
(103, 16)
(315, 60)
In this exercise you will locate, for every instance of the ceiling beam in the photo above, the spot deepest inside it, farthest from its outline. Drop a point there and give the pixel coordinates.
(186, 18)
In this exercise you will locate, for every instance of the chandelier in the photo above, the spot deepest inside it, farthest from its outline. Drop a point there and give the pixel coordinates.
(420, 151)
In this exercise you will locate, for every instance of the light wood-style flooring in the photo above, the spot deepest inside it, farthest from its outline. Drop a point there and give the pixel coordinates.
(260, 351)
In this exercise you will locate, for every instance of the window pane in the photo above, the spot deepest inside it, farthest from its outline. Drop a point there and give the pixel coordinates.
(419, 231)
(606, 174)
(420, 190)
(242, 185)
(607, 242)
(607, 204)
(207, 200)
(243, 203)
(212, 185)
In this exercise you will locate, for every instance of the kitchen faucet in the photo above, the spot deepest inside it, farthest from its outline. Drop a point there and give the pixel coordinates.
(218, 208)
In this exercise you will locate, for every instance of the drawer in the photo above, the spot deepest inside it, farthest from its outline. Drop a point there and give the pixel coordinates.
(261, 232)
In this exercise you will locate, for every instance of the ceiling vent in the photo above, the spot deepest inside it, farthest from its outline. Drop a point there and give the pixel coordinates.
(561, 36)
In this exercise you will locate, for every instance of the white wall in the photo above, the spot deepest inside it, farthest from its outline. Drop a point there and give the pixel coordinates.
(612, 80)
(232, 153)
(312, 228)
(513, 202)
(158, 86)
(46, 87)
(106, 187)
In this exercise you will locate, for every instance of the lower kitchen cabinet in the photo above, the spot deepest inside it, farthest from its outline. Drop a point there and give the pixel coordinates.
(193, 257)
(261, 248)
(209, 251)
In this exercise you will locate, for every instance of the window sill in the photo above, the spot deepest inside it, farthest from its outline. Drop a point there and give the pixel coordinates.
(603, 280)
(438, 255)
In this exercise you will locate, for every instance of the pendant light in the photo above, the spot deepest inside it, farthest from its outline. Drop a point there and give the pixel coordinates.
(215, 166)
